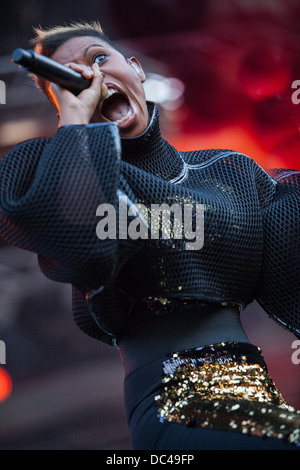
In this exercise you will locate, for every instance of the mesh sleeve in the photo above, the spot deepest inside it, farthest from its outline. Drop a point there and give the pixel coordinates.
(278, 290)
(50, 191)
(49, 195)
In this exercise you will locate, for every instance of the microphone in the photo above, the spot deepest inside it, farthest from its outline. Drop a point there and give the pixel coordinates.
(51, 70)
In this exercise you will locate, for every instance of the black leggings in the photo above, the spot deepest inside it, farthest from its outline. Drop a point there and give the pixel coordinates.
(149, 432)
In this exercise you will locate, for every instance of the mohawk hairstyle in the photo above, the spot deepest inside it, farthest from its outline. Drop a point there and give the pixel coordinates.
(47, 41)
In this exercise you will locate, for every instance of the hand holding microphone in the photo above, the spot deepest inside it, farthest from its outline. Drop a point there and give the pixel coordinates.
(72, 111)
(52, 71)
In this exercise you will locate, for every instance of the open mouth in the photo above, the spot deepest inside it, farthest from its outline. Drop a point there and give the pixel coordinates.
(116, 107)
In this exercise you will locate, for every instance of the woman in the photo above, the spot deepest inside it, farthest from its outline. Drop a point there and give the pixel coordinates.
(192, 379)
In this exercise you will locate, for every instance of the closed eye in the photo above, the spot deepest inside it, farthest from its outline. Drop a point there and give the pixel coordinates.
(99, 58)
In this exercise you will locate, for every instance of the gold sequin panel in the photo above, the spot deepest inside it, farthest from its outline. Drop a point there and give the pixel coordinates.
(227, 387)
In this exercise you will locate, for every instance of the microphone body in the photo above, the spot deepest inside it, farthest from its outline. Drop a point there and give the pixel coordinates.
(51, 70)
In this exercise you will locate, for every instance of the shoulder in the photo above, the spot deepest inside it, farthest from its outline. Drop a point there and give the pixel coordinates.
(230, 165)
(210, 156)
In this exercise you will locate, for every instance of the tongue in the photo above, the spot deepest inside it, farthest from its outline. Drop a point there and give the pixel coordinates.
(116, 109)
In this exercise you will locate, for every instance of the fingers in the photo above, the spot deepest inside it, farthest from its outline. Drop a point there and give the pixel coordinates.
(99, 83)
(92, 94)
(85, 70)
(79, 109)
(93, 73)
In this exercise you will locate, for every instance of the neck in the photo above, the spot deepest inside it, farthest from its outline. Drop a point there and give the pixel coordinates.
(150, 152)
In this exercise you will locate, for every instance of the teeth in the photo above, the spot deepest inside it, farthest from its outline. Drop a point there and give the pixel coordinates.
(106, 93)
(111, 91)
(120, 121)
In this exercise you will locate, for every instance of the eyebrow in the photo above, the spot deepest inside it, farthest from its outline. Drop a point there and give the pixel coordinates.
(85, 52)
(87, 48)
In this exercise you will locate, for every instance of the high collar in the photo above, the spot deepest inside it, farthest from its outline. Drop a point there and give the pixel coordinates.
(150, 152)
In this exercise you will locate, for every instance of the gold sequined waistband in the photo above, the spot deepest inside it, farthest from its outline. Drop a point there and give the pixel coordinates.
(225, 386)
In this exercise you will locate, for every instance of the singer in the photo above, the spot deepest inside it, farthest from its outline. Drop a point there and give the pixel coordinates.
(193, 380)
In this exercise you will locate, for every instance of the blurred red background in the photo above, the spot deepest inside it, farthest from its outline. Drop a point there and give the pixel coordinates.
(230, 66)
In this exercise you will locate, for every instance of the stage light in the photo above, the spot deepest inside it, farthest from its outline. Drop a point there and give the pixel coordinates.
(166, 92)
(5, 384)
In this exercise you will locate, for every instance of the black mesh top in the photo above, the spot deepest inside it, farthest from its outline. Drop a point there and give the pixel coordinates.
(51, 189)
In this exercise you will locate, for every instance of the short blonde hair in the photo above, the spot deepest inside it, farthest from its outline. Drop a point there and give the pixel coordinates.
(50, 38)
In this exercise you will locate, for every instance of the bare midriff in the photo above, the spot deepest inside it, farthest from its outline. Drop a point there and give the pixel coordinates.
(145, 339)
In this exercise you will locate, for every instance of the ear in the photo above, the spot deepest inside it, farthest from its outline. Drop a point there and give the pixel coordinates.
(137, 67)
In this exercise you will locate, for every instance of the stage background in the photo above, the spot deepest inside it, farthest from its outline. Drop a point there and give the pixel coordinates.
(222, 75)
